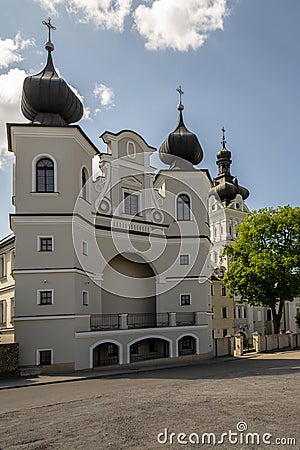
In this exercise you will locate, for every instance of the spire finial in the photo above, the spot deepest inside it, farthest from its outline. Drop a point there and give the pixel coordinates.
(223, 142)
(180, 107)
(49, 46)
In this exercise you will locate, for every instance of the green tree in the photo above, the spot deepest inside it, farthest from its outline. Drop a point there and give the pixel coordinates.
(264, 260)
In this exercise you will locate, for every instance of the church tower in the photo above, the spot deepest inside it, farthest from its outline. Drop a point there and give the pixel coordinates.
(53, 163)
(227, 209)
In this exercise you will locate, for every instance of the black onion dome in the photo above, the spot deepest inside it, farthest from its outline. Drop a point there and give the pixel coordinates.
(227, 191)
(181, 146)
(47, 99)
(226, 186)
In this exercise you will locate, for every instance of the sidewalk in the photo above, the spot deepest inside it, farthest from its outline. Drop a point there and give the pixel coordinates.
(39, 380)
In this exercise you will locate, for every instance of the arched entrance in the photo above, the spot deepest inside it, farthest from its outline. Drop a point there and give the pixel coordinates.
(128, 286)
(150, 348)
(105, 354)
(186, 346)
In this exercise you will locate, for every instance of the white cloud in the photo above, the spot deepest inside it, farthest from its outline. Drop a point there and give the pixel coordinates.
(179, 24)
(50, 6)
(10, 95)
(86, 109)
(108, 14)
(10, 50)
(105, 94)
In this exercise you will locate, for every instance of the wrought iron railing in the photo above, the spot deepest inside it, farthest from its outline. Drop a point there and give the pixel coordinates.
(147, 320)
(140, 320)
(105, 322)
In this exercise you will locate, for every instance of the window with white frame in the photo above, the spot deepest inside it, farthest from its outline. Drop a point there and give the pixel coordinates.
(184, 260)
(223, 290)
(45, 297)
(185, 299)
(85, 249)
(85, 298)
(224, 312)
(2, 266)
(183, 207)
(45, 244)
(45, 357)
(45, 175)
(84, 185)
(131, 203)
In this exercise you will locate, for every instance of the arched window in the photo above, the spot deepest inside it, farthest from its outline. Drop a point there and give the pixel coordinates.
(84, 187)
(183, 207)
(45, 175)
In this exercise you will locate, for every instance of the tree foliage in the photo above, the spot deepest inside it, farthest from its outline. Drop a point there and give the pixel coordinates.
(264, 260)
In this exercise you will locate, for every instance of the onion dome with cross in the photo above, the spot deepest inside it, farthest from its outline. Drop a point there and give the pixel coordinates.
(46, 98)
(181, 149)
(226, 186)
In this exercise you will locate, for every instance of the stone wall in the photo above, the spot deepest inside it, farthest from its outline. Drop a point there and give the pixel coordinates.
(268, 343)
(224, 346)
(9, 359)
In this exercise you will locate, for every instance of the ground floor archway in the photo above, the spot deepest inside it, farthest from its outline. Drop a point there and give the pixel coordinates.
(105, 354)
(150, 348)
(187, 346)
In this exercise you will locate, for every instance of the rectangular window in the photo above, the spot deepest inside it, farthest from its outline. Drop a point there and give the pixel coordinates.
(44, 357)
(186, 343)
(244, 313)
(225, 332)
(213, 313)
(185, 299)
(2, 267)
(45, 297)
(112, 350)
(46, 244)
(224, 312)
(84, 248)
(12, 310)
(239, 310)
(184, 260)
(223, 290)
(2, 312)
(85, 298)
(212, 290)
(131, 204)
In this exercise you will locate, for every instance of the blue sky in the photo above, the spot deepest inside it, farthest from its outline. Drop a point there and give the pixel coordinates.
(238, 62)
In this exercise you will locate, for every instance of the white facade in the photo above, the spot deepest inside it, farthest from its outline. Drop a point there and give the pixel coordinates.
(108, 273)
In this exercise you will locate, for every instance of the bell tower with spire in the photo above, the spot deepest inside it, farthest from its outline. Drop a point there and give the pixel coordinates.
(227, 207)
(51, 174)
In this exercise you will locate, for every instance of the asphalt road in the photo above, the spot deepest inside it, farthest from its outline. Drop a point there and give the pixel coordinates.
(142, 410)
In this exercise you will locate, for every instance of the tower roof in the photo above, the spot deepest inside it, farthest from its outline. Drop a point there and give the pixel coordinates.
(46, 98)
(226, 186)
(181, 149)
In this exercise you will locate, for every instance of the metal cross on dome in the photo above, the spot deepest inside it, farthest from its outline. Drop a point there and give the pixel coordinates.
(49, 26)
(223, 137)
(180, 92)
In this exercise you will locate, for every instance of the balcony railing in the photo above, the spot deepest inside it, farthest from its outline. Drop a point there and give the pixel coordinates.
(147, 320)
(102, 322)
